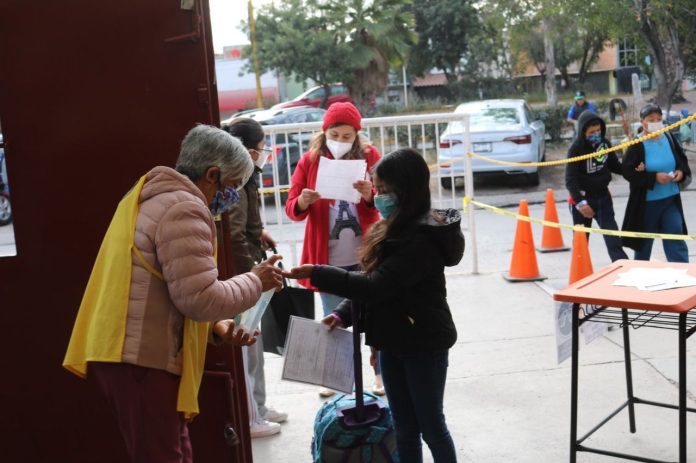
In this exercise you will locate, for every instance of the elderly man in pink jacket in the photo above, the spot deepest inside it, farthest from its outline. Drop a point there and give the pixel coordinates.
(144, 343)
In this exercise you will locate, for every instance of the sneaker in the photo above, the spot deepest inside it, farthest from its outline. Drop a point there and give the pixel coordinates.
(326, 392)
(378, 389)
(264, 429)
(274, 416)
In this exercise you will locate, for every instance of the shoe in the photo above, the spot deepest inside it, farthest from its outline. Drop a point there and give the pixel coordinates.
(378, 389)
(264, 429)
(326, 392)
(274, 416)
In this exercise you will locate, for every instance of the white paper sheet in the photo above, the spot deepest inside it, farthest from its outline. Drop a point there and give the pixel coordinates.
(335, 178)
(251, 318)
(655, 279)
(315, 355)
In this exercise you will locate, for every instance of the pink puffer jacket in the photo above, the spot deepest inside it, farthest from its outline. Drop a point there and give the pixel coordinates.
(175, 233)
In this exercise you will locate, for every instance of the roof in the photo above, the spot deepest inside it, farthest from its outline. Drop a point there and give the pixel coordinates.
(430, 80)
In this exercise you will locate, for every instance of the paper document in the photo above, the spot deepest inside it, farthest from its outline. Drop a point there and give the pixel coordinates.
(251, 318)
(315, 355)
(655, 279)
(335, 178)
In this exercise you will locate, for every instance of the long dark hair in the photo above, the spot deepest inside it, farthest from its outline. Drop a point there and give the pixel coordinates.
(407, 176)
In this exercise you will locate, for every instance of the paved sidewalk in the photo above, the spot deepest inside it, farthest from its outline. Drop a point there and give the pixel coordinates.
(507, 400)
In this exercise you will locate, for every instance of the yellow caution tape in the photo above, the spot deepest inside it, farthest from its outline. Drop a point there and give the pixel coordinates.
(573, 159)
(581, 228)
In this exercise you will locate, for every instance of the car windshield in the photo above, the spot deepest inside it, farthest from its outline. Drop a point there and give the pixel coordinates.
(480, 117)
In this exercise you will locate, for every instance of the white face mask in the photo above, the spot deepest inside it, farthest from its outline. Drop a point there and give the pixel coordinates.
(338, 148)
(654, 126)
(261, 160)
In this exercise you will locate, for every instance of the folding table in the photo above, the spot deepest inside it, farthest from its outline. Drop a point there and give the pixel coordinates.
(595, 299)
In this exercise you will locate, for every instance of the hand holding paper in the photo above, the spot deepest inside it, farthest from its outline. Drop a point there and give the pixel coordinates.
(335, 178)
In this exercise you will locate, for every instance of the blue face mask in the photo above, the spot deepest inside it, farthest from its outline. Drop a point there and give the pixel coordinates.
(386, 204)
(595, 139)
(223, 200)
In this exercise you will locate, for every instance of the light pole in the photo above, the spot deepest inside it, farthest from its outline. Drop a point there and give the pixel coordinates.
(254, 57)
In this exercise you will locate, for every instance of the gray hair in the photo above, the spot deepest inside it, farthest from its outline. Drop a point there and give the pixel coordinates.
(206, 146)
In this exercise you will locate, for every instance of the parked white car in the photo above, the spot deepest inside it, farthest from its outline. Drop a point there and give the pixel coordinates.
(501, 129)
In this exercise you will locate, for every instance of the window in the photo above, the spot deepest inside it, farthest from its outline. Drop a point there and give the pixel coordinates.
(338, 90)
(628, 52)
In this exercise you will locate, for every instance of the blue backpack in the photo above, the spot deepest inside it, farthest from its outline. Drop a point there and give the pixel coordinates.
(338, 438)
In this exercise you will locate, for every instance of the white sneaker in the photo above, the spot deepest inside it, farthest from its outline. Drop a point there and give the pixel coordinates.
(274, 416)
(264, 429)
(326, 392)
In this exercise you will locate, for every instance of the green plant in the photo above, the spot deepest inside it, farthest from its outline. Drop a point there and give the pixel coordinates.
(554, 118)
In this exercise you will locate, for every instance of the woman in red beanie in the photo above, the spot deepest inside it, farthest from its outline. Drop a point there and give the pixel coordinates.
(335, 229)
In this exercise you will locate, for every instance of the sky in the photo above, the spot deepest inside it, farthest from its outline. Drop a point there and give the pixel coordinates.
(225, 16)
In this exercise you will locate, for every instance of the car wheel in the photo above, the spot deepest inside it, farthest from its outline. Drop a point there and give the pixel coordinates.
(533, 178)
(5, 211)
(446, 183)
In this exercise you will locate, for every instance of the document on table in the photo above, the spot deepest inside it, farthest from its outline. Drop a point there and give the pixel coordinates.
(251, 318)
(335, 178)
(315, 355)
(655, 279)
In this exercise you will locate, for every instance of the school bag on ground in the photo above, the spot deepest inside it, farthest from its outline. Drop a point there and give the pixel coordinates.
(354, 429)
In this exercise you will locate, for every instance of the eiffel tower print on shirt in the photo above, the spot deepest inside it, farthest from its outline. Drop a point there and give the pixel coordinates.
(342, 223)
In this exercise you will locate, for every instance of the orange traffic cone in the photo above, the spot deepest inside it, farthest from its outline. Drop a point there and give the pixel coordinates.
(523, 266)
(551, 238)
(580, 263)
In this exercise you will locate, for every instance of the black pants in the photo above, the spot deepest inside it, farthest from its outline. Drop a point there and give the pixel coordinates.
(603, 207)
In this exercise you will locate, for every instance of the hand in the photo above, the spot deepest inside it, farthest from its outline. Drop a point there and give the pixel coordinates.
(641, 167)
(229, 334)
(300, 273)
(307, 198)
(587, 211)
(373, 357)
(332, 322)
(663, 177)
(364, 187)
(270, 275)
(267, 242)
(678, 176)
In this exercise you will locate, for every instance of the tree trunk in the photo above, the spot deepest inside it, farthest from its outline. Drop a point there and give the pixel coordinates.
(550, 65)
(666, 49)
(325, 98)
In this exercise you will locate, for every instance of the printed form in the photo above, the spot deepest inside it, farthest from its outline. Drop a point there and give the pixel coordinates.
(315, 355)
(335, 178)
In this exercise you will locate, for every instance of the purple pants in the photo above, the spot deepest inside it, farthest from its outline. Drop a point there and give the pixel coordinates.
(143, 401)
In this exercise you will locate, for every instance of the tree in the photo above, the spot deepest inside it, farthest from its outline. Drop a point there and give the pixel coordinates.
(354, 42)
(444, 29)
(668, 28)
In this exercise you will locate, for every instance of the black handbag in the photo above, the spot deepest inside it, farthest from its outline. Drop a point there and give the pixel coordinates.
(284, 303)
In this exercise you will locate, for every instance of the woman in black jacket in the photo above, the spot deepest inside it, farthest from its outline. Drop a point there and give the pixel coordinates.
(655, 170)
(406, 316)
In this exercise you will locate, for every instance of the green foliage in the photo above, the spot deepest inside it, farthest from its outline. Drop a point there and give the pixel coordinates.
(554, 118)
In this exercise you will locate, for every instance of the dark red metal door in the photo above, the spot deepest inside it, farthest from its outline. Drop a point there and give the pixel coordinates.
(92, 95)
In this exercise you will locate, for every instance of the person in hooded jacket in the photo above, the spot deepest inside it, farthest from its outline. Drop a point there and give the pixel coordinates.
(656, 170)
(588, 181)
(403, 291)
(335, 229)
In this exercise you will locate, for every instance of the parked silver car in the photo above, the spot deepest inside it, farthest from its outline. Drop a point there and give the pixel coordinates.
(500, 129)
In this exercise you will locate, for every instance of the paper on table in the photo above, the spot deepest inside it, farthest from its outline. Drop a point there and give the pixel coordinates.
(251, 318)
(655, 279)
(315, 355)
(335, 178)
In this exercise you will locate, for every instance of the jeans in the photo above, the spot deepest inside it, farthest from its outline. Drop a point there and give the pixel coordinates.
(663, 216)
(603, 207)
(415, 386)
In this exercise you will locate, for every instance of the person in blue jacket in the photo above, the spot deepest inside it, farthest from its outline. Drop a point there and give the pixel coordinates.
(578, 107)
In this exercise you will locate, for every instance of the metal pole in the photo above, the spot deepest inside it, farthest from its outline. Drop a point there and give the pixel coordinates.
(403, 73)
(574, 385)
(254, 56)
(469, 191)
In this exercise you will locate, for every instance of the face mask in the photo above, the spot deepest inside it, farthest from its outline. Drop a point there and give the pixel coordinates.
(261, 160)
(223, 200)
(595, 138)
(654, 126)
(338, 148)
(386, 204)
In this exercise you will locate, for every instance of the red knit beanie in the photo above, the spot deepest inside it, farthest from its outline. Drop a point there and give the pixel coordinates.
(342, 113)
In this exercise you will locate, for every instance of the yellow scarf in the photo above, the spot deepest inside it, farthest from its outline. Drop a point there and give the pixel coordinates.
(100, 327)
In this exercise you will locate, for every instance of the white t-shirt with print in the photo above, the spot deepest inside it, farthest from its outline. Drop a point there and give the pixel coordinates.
(345, 234)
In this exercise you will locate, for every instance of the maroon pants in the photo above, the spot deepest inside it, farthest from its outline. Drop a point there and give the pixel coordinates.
(144, 403)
